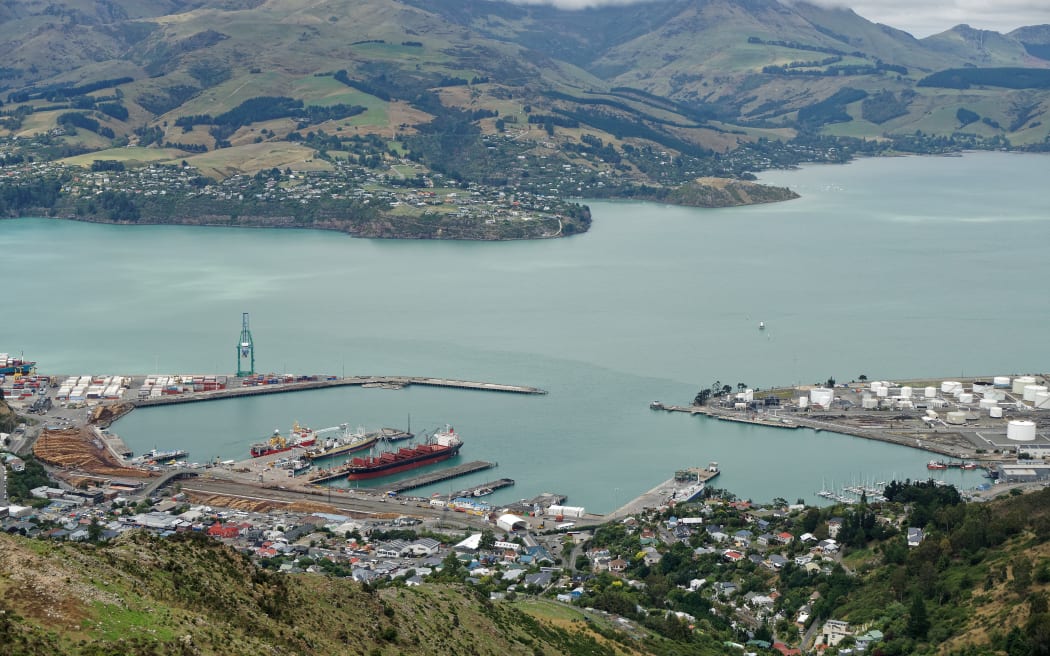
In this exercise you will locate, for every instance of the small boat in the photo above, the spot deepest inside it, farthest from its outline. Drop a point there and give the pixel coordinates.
(482, 491)
(761, 325)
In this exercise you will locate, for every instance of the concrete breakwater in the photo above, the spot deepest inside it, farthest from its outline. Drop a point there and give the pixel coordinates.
(385, 382)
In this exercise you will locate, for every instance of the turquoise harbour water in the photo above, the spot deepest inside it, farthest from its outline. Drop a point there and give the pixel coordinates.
(891, 268)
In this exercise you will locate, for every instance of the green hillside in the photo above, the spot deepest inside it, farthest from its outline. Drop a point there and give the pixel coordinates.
(493, 94)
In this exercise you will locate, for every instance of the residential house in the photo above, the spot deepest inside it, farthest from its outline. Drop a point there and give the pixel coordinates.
(915, 536)
(834, 526)
(833, 632)
(867, 639)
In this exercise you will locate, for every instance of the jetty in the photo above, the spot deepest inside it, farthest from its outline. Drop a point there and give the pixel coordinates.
(438, 476)
(491, 485)
(683, 485)
(385, 382)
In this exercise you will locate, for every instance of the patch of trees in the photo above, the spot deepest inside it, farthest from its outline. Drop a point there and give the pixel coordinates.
(557, 95)
(107, 165)
(33, 476)
(115, 110)
(167, 99)
(267, 108)
(795, 45)
(31, 194)
(700, 114)
(447, 81)
(209, 73)
(966, 116)
(795, 68)
(1006, 77)
(56, 93)
(361, 85)
(112, 205)
(412, 44)
(78, 120)
(882, 107)
(551, 119)
(831, 109)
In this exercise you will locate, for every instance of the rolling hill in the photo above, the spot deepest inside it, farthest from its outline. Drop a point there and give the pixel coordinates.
(470, 88)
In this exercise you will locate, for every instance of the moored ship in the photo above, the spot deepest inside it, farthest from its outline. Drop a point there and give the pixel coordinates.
(442, 445)
(936, 464)
(348, 442)
(9, 366)
(276, 444)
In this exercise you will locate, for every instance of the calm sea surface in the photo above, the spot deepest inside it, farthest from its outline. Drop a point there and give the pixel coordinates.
(888, 267)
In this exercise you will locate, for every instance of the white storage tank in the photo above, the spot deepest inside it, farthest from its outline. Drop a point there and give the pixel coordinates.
(1020, 430)
(1020, 382)
(930, 392)
(937, 403)
(995, 394)
(869, 403)
(906, 392)
(905, 404)
(822, 396)
(988, 403)
(882, 392)
(876, 384)
(803, 401)
(979, 386)
(956, 417)
(1031, 390)
(950, 386)
(1002, 382)
(996, 412)
(1042, 401)
(965, 397)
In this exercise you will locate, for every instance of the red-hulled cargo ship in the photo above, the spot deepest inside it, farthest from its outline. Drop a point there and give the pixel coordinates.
(441, 446)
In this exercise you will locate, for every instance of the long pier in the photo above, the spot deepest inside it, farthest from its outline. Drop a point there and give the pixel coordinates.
(386, 382)
(438, 476)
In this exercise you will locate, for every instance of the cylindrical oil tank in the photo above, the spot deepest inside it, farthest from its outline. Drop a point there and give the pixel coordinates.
(1031, 390)
(1042, 401)
(966, 397)
(930, 392)
(906, 392)
(956, 417)
(1001, 382)
(988, 403)
(882, 392)
(803, 401)
(979, 386)
(1020, 430)
(936, 403)
(1020, 382)
(995, 412)
(995, 394)
(869, 403)
(951, 386)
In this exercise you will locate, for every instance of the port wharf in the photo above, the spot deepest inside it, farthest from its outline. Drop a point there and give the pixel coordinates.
(491, 485)
(385, 382)
(796, 422)
(673, 489)
(440, 475)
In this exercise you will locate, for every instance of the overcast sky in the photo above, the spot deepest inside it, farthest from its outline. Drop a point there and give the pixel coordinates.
(919, 17)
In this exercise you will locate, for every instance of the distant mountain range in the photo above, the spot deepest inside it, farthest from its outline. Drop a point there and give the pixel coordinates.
(693, 77)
